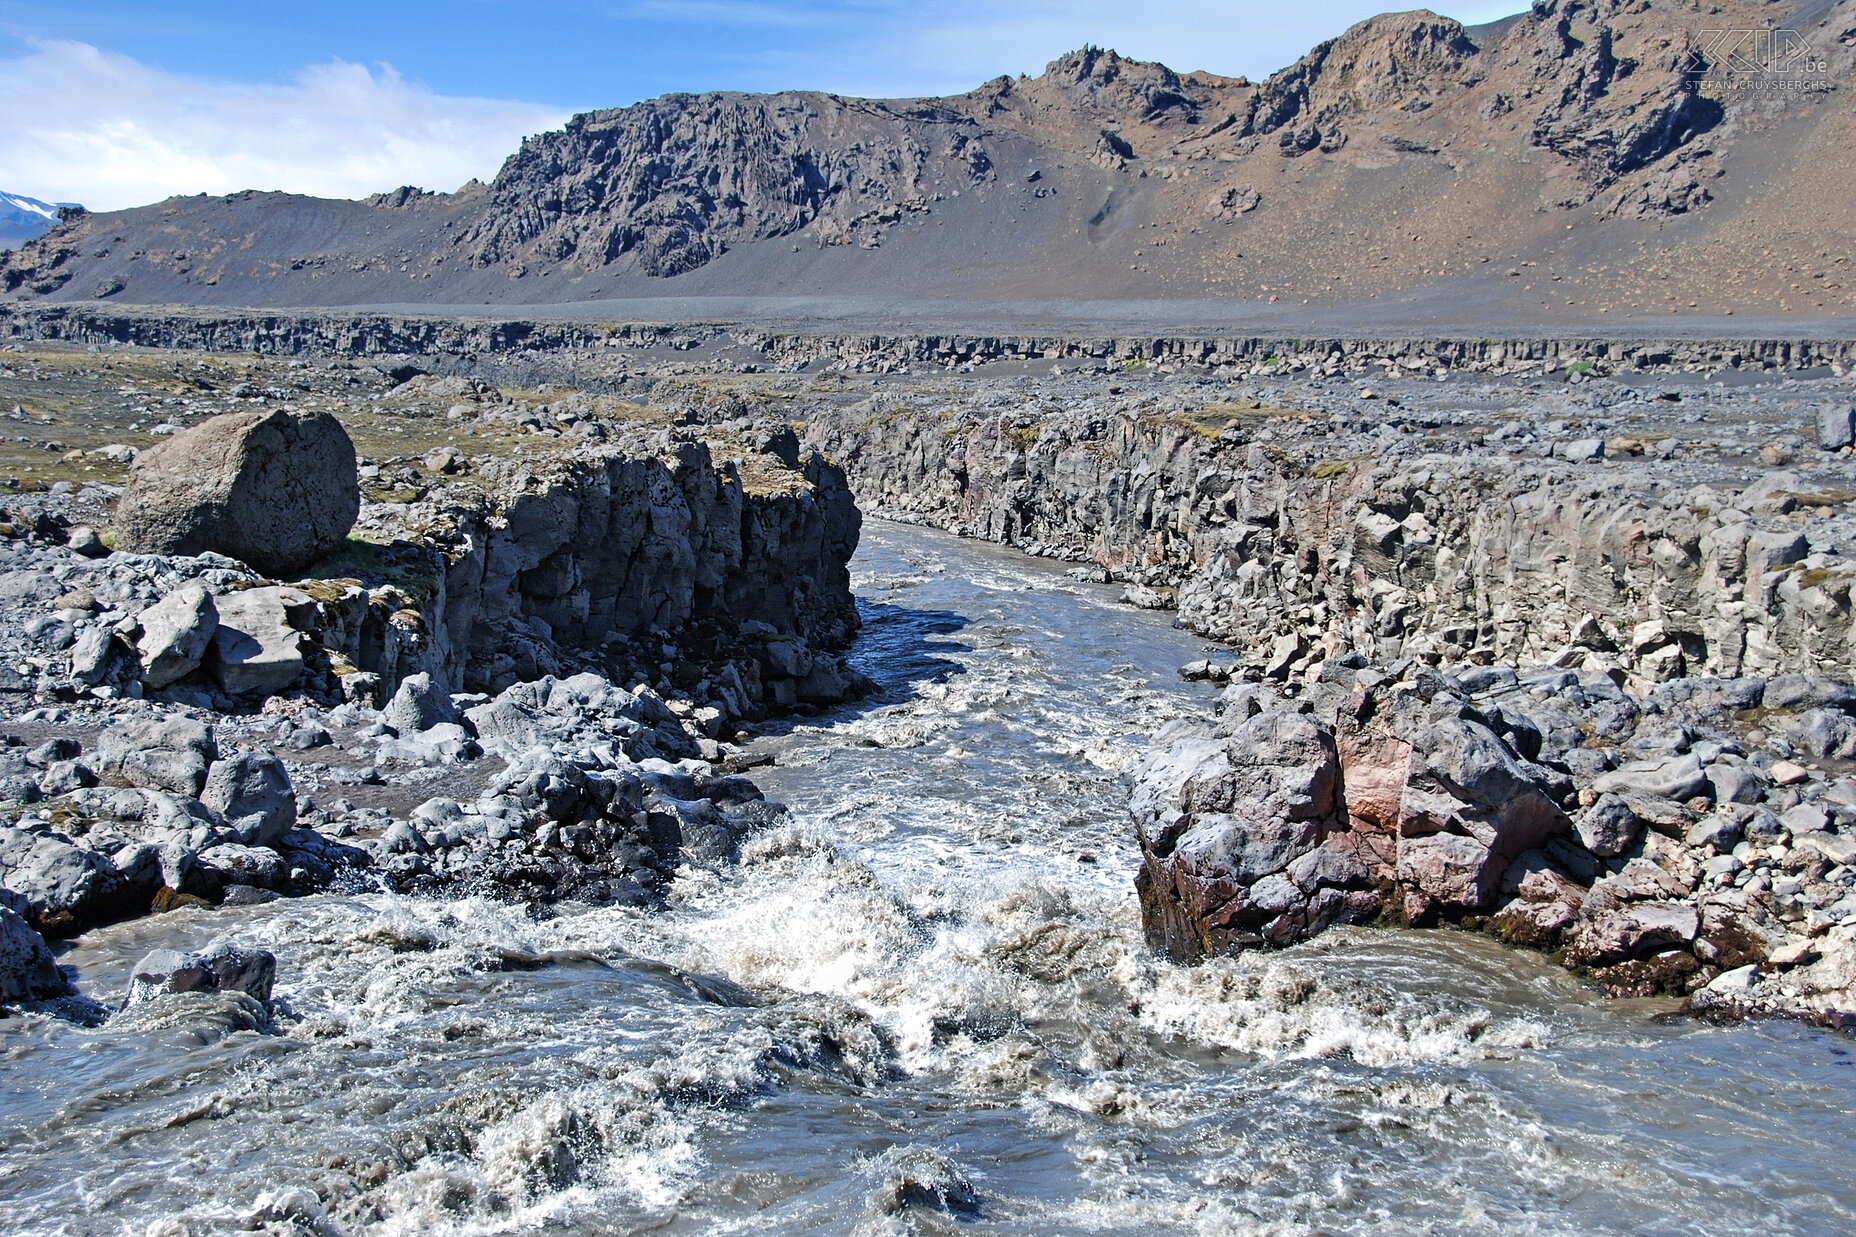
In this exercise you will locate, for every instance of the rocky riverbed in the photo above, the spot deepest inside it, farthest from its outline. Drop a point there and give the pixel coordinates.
(1561, 657)
(918, 1001)
(516, 676)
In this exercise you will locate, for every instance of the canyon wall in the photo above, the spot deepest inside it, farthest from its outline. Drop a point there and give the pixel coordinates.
(1448, 556)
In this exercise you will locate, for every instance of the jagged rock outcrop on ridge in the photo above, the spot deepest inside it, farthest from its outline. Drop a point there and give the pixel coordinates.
(1410, 154)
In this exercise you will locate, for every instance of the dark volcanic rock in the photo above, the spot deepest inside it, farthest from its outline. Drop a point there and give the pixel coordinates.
(221, 967)
(1290, 822)
(28, 972)
(277, 490)
(1221, 818)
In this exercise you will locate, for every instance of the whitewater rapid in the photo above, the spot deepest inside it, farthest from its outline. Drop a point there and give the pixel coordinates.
(923, 1005)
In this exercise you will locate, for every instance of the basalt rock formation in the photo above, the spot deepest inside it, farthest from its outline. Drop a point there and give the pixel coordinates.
(1300, 548)
(1631, 151)
(563, 633)
(1655, 841)
(649, 534)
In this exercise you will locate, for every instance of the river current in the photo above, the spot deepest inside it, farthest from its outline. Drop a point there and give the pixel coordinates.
(924, 1005)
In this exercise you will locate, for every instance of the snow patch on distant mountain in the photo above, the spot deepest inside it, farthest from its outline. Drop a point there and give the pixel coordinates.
(22, 218)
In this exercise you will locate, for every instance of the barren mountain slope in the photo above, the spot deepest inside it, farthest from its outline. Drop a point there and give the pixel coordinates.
(1589, 160)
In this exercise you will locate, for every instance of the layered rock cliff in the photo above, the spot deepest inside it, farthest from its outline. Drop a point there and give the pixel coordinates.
(1300, 546)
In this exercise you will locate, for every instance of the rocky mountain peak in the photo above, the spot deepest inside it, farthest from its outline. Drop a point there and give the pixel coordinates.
(1103, 80)
(1105, 177)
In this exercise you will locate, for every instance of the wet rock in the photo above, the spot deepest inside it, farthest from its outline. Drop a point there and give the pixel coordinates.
(175, 633)
(277, 490)
(246, 895)
(1632, 931)
(251, 791)
(170, 754)
(220, 967)
(28, 971)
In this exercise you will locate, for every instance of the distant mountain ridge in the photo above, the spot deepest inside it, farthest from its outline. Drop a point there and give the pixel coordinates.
(1584, 157)
(23, 218)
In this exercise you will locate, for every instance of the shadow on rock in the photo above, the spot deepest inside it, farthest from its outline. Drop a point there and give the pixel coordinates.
(894, 650)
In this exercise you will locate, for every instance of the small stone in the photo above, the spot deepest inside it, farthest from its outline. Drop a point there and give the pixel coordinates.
(1836, 426)
(87, 541)
(1737, 982)
(1786, 773)
(1581, 450)
(418, 705)
(1609, 827)
(1734, 784)
(1804, 818)
(1793, 953)
(1716, 830)
(166, 899)
(53, 750)
(1721, 865)
(1833, 846)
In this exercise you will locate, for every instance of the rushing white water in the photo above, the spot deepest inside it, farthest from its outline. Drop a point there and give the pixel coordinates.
(924, 1006)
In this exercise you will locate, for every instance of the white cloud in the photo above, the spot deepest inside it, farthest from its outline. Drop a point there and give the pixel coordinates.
(103, 129)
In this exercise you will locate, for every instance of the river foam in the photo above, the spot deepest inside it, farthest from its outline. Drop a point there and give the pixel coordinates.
(922, 1005)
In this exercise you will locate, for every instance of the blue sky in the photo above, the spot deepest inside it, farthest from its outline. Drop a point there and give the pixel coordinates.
(116, 103)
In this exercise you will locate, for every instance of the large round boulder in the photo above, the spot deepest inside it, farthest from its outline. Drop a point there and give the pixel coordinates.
(277, 490)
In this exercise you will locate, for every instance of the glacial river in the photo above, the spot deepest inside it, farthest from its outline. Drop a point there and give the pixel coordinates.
(924, 1006)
